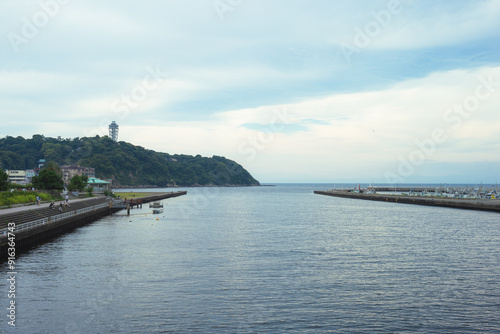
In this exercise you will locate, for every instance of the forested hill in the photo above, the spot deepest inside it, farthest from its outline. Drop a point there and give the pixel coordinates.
(126, 164)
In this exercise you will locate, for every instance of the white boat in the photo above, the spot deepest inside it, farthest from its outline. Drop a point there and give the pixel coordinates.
(156, 205)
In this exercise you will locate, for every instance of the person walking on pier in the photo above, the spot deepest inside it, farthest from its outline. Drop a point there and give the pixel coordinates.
(60, 206)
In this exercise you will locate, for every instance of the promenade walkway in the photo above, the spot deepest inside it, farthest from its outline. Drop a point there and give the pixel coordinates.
(30, 216)
(34, 223)
(25, 214)
(28, 207)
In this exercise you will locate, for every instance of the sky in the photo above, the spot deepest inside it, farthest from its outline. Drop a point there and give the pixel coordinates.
(392, 91)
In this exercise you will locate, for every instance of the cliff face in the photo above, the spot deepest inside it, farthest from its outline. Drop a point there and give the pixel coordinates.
(126, 164)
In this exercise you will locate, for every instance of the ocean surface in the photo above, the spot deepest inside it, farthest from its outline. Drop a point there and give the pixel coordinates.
(275, 259)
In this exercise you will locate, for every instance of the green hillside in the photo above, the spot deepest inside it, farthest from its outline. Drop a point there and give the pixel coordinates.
(124, 163)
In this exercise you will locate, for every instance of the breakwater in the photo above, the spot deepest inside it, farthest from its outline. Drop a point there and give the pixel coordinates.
(456, 203)
(28, 226)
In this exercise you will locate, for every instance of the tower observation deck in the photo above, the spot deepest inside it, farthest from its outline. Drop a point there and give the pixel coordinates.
(113, 131)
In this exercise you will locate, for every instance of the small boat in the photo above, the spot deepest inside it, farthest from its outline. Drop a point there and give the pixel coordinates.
(156, 205)
(157, 211)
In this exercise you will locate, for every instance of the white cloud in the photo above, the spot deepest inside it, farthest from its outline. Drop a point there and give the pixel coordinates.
(34, 83)
(362, 132)
(437, 25)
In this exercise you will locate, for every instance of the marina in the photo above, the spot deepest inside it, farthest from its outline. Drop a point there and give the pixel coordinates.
(460, 191)
(486, 199)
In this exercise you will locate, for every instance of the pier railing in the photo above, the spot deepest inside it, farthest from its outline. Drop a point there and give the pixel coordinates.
(39, 222)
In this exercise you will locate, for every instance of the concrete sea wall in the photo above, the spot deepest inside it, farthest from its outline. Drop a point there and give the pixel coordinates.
(29, 227)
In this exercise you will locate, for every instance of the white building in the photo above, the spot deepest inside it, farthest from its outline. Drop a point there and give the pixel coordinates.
(17, 176)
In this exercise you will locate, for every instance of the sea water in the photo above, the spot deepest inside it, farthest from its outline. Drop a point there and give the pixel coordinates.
(276, 259)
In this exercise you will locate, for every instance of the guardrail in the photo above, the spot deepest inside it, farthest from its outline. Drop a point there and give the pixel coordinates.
(39, 222)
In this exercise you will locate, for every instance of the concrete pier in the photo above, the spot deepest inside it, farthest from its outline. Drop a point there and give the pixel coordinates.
(456, 203)
(35, 224)
(127, 203)
(152, 197)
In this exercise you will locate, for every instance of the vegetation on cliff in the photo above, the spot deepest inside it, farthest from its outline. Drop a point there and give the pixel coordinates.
(124, 163)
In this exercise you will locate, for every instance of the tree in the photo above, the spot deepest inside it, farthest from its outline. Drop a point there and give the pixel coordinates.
(51, 165)
(48, 179)
(78, 182)
(4, 181)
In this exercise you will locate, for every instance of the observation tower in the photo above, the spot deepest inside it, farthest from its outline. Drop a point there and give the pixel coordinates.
(113, 131)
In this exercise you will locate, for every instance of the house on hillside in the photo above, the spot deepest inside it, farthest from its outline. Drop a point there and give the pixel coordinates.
(68, 171)
(41, 164)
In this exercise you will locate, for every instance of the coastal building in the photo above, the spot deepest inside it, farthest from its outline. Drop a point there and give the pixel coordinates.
(68, 171)
(17, 176)
(98, 185)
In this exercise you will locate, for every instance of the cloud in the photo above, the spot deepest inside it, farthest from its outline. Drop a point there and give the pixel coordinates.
(442, 24)
(275, 127)
(343, 135)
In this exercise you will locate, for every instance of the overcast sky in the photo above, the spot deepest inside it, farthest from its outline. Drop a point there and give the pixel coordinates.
(295, 90)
